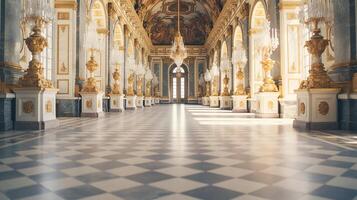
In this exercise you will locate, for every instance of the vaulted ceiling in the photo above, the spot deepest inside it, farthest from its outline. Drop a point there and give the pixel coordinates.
(159, 18)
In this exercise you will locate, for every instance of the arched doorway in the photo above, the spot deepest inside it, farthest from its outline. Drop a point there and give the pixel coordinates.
(178, 83)
(258, 18)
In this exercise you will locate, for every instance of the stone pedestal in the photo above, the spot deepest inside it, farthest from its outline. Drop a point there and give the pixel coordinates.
(92, 104)
(139, 102)
(148, 102)
(288, 108)
(35, 108)
(205, 101)
(116, 103)
(240, 103)
(214, 101)
(225, 102)
(157, 100)
(317, 109)
(131, 102)
(199, 100)
(152, 100)
(267, 105)
(7, 111)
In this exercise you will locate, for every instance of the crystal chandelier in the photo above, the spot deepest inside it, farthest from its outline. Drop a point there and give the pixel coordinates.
(178, 50)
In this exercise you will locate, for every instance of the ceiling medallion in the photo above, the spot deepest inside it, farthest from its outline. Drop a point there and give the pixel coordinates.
(178, 50)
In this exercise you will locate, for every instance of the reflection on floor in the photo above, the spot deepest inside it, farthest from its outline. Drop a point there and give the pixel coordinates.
(176, 152)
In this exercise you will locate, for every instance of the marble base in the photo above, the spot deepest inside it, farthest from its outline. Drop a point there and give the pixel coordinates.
(240, 103)
(157, 100)
(199, 100)
(92, 104)
(131, 102)
(116, 103)
(7, 111)
(316, 109)
(139, 102)
(152, 101)
(205, 101)
(252, 105)
(147, 101)
(35, 108)
(267, 105)
(214, 101)
(225, 102)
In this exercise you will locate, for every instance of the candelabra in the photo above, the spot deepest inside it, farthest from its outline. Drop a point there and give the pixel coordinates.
(240, 60)
(148, 78)
(116, 76)
(92, 41)
(131, 68)
(313, 13)
(37, 13)
(269, 41)
(208, 79)
(225, 69)
(214, 74)
(140, 74)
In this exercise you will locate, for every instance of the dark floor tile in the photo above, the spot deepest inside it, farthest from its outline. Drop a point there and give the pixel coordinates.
(118, 157)
(263, 178)
(313, 177)
(295, 165)
(23, 165)
(94, 177)
(205, 166)
(334, 163)
(350, 174)
(79, 157)
(79, 192)
(9, 175)
(335, 193)
(154, 165)
(149, 177)
(144, 192)
(109, 165)
(66, 165)
(201, 157)
(277, 193)
(213, 193)
(26, 192)
(207, 177)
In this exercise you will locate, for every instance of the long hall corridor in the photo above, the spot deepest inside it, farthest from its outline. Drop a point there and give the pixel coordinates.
(175, 152)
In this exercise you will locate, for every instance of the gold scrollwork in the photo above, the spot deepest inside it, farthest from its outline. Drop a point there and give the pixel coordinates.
(49, 106)
(89, 103)
(27, 107)
(324, 108)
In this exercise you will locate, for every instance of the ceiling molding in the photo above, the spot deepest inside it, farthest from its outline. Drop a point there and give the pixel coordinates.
(165, 50)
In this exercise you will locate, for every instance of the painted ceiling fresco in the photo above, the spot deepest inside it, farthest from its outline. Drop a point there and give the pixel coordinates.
(159, 18)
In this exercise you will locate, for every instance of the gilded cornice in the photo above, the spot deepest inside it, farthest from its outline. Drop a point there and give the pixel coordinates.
(125, 9)
(231, 10)
(165, 50)
(289, 4)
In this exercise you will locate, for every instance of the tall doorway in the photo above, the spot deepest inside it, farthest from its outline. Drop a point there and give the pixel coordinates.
(178, 83)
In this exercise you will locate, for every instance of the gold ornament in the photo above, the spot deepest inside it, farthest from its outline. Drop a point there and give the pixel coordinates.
(269, 84)
(91, 83)
(270, 105)
(318, 77)
(89, 103)
(34, 76)
(27, 107)
(49, 106)
(116, 85)
(130, 85)
(139, 86)
(240, 87)
(225, 83)
(324, 108)
(208, 89)
(148, 89)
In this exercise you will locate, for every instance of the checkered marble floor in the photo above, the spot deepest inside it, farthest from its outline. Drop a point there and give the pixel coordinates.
(177, 152)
